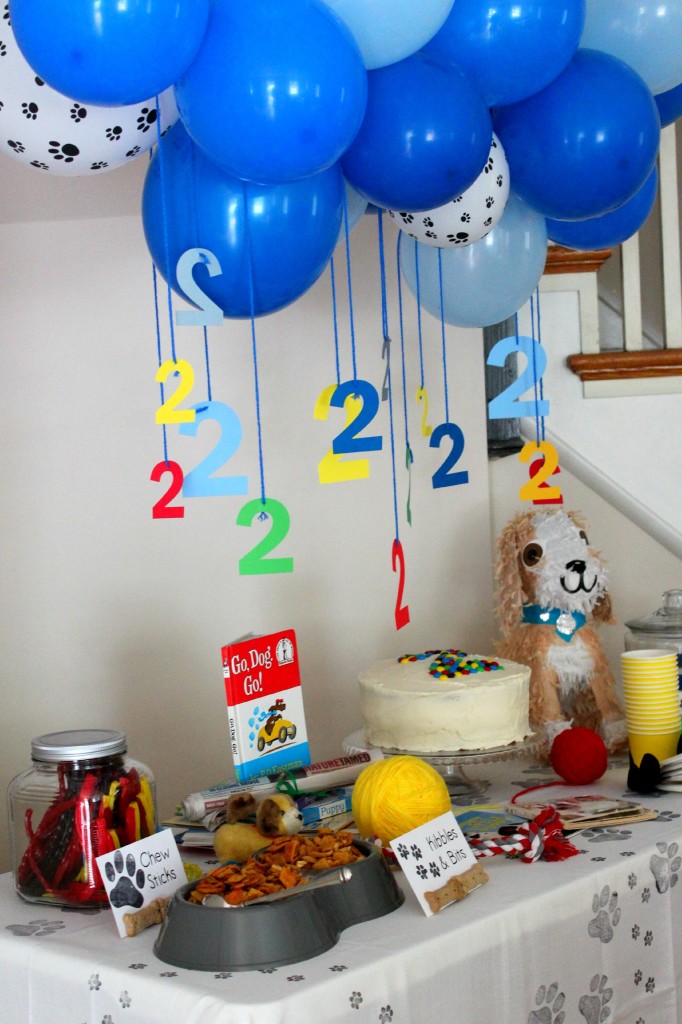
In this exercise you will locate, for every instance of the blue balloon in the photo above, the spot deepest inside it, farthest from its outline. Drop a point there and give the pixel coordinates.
(425, 136)
(512, 48)
(585, 144)
(669, 105)
(646, 34)
(483, 283)
(612, 228)
(277, 91)
(286, 233)
(107, 52)
(390, 30)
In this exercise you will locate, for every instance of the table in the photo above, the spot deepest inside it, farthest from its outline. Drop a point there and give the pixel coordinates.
(593, 939)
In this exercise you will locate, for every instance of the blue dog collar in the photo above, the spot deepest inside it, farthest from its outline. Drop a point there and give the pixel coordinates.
(566, 624)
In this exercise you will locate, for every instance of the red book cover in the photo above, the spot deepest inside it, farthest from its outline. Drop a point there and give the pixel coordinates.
(265, 704)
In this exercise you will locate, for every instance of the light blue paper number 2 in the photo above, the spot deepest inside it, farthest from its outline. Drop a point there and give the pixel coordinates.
(508, 405)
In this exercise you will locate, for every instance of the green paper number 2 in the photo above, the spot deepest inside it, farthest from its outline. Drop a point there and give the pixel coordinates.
(254, 562)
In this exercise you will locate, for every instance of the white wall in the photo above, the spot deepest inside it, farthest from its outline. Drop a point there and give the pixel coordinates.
(112, 619)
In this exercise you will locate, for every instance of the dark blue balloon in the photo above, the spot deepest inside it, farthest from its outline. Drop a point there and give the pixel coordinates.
(610, 229)
(287, 232)
(277, 90)
(425, 136)
(512, 48)
(585, 144)
(669, 105)
(107, 52)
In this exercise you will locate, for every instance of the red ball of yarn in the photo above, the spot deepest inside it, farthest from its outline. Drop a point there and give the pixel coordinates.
(579, 756)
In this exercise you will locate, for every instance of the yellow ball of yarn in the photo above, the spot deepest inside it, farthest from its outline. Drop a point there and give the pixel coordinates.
(397, 794)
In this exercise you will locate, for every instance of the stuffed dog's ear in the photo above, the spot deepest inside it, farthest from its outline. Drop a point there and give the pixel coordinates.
(509, 594)
(603, 610)
(268, 816)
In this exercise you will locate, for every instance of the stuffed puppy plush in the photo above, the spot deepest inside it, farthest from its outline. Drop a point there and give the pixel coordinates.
(552, 588)
(237, 840)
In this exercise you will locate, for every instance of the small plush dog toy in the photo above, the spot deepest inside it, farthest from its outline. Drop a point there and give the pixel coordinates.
(551, 583)
(275, 815)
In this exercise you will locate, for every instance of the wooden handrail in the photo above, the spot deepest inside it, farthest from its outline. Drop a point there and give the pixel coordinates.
(616, 365)
(561, 260)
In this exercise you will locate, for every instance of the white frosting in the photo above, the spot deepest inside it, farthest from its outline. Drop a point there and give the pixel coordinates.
(405, 708)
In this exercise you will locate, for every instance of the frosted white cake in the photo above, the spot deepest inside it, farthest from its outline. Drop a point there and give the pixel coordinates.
(444, 700)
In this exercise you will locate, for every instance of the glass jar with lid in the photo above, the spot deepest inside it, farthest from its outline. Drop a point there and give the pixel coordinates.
(661, 629)
(82, 796)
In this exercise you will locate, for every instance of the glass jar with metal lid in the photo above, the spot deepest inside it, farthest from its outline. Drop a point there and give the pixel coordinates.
(83, 796)
(661, 629)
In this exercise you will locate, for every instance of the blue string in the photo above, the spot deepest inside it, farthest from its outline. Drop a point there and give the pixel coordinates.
(252, 306)
(336, 323)
(535, 372)
(542, 389)
(419, 313)
(208, 367)
(384, 317)
(402, 349)
(350, 284)
(159, 356)
(196, 242)
(166, 244)
(442, 331)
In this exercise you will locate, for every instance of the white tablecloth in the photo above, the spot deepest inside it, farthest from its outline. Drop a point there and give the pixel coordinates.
(593, 939)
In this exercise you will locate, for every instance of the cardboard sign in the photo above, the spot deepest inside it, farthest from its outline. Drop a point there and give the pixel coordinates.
(141, 872)
(431, 856)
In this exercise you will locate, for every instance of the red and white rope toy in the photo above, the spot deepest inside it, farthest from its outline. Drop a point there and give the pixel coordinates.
(540, 838)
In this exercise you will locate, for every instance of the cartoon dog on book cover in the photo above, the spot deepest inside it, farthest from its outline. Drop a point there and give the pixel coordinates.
(551, 586)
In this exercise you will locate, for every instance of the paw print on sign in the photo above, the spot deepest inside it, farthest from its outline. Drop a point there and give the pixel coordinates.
(665, 866)
(403, 851)
(549, 1001)
(605, 906)
(125, 893)
(416, 852)
(421, 871)
(594, 1006)
(434, 869)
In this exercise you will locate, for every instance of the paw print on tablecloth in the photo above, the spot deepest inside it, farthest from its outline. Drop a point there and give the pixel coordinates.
(594, 1006)
(385, 1015)
(606, 835)
(549, 1001)
(37, 927)
(665, 866)
(355, 999)
(94, 983)
(605, 907)
(632, 880)
(667, 815)
(125, 1000)
(126, 892)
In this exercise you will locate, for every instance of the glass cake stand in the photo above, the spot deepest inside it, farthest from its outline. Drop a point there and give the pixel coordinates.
(453, 764)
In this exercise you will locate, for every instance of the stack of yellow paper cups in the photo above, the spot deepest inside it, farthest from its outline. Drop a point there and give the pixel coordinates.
(652, 708)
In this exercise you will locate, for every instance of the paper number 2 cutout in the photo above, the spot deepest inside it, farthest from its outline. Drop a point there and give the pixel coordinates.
(200, 481)
(443, 477)
(333, 469)
(254, 562)
(168, 412)
(402, 611)
(423, 397)
(508, 405)
(209, 314)
(347, 442)
(537, 489)
(162, 509)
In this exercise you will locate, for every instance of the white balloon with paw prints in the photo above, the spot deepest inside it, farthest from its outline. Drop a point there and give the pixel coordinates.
(45, 130)
(468, 217)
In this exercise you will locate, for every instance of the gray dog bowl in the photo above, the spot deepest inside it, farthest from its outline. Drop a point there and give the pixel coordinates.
(298, 926)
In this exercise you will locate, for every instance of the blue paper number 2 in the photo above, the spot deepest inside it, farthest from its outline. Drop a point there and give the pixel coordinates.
(443, 477)
(508, 404)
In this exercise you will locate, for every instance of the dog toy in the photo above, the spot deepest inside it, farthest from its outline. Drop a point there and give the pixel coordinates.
(275, 815)
(579, 756)
(551, 584)
(397, 794)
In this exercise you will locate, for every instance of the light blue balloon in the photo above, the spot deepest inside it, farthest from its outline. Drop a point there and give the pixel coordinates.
(386, 31)
(356, 207)
(647, 35)
(486, 282)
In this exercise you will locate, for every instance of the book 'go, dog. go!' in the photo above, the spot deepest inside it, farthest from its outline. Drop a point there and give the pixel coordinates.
(265, 704)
